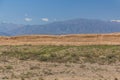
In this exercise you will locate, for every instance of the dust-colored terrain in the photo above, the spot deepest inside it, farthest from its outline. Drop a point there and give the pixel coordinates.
(36, 62)
(14, 69)
(76, 39)
(64, 57)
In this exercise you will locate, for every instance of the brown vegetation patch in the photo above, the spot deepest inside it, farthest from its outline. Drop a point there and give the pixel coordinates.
(73, 39)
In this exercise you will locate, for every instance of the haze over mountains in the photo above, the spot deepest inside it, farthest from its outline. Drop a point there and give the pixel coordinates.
(76, 26)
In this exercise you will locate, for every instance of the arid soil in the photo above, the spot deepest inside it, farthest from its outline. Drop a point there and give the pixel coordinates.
(13, 69)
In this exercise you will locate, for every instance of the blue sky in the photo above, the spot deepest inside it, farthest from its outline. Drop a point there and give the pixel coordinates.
(46, 11)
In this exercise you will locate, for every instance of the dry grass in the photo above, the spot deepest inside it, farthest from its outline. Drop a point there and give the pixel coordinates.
(36, 62)
(103, 54)
(65, 57)
(76, 39)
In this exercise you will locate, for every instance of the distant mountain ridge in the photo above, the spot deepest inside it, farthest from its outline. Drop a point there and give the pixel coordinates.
(4, 34)
(6, 28)
(76, 26)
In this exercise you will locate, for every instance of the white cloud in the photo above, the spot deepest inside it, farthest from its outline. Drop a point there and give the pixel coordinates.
(45, 19)
(28, 19)
(115, 20)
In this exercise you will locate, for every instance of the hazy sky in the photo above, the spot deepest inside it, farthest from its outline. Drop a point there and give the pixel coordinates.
(45, 11)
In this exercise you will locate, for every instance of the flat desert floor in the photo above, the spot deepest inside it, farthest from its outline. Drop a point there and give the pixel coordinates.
(14, 69)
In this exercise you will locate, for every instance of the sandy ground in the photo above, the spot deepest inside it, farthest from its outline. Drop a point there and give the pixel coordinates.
(14, 69)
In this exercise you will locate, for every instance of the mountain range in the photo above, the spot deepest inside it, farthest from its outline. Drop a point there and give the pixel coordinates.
(75, 26)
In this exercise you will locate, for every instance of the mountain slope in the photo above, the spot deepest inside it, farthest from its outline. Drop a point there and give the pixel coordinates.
(76, 26)
(4, 34)
(6, 28)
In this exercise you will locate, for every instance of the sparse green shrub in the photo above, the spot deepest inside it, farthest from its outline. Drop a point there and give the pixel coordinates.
(101, 54)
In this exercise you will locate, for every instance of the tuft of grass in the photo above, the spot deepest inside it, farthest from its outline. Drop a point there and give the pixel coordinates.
(9, 67)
